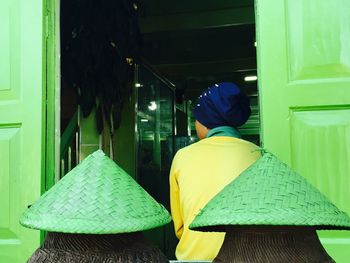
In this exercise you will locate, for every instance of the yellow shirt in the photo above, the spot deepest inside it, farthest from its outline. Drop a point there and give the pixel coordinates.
(198, 172)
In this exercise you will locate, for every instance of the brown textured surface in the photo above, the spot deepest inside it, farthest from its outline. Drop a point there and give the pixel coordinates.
(82, 248)
(272, 245)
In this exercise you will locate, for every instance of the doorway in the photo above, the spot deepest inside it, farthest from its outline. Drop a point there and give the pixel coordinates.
(191, 44)
(195, 45)
(200, 43)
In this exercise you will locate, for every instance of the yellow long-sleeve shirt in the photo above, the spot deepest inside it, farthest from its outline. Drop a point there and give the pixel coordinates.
(198, 172)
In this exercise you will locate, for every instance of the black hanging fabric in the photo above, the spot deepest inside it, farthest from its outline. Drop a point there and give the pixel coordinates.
(100, 43)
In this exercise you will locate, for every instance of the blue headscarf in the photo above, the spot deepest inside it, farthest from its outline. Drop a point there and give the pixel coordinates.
(222, 105)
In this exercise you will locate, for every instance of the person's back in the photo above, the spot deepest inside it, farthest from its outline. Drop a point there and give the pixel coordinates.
(198, 173)
(203, 169)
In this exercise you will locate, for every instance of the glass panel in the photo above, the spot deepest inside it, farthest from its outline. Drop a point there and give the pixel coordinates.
(155, 122)
(155, 129)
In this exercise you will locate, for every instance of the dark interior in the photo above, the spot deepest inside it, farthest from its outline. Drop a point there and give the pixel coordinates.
(190, 45)
(197, 43)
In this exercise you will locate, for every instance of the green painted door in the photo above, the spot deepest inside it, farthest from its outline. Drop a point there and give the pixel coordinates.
(21, 123)
(304, 84)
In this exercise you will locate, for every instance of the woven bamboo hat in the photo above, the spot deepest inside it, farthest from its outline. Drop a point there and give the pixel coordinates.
(270, 193)
(96, 197)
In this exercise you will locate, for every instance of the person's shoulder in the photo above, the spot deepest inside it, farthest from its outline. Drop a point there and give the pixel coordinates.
(228, 141)
(248, 148)
(180, 155)
(247, 144)
(187, 149)
(190, 150)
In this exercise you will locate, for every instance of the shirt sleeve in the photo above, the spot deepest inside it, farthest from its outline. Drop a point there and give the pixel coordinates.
(175, 199)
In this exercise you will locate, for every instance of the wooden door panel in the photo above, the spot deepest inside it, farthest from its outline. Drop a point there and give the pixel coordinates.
(9, 173)
(325, 162)
(304, 88)
(21, 123)
(318, 39)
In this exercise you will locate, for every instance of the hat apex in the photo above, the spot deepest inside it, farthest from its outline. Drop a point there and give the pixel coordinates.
(270, 193)
(96, 197)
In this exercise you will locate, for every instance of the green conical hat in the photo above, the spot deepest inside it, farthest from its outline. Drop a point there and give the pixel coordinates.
(96, 197)
(270, 193)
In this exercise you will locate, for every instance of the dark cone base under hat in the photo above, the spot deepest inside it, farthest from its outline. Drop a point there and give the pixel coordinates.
(88, 248)
(272, 245)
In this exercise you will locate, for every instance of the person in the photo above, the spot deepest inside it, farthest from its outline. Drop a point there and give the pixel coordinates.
(201, 170)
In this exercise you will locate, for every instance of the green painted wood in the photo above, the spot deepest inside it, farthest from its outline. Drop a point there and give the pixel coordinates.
(124, 139)
(68, 134)
(51, 77)
(21, 123)
(304, 79)
(89, 137)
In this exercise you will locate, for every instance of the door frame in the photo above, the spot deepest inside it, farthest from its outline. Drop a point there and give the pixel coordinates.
(52, 82)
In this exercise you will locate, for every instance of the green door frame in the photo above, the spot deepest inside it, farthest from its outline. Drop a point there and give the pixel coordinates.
(53, 86)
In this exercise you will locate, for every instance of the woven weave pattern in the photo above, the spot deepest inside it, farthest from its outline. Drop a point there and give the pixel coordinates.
(270, 193)
(96, 197)
(80, 248)
(272, 246)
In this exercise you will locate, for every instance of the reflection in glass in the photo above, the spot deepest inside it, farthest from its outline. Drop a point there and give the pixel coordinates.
(155, 129)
